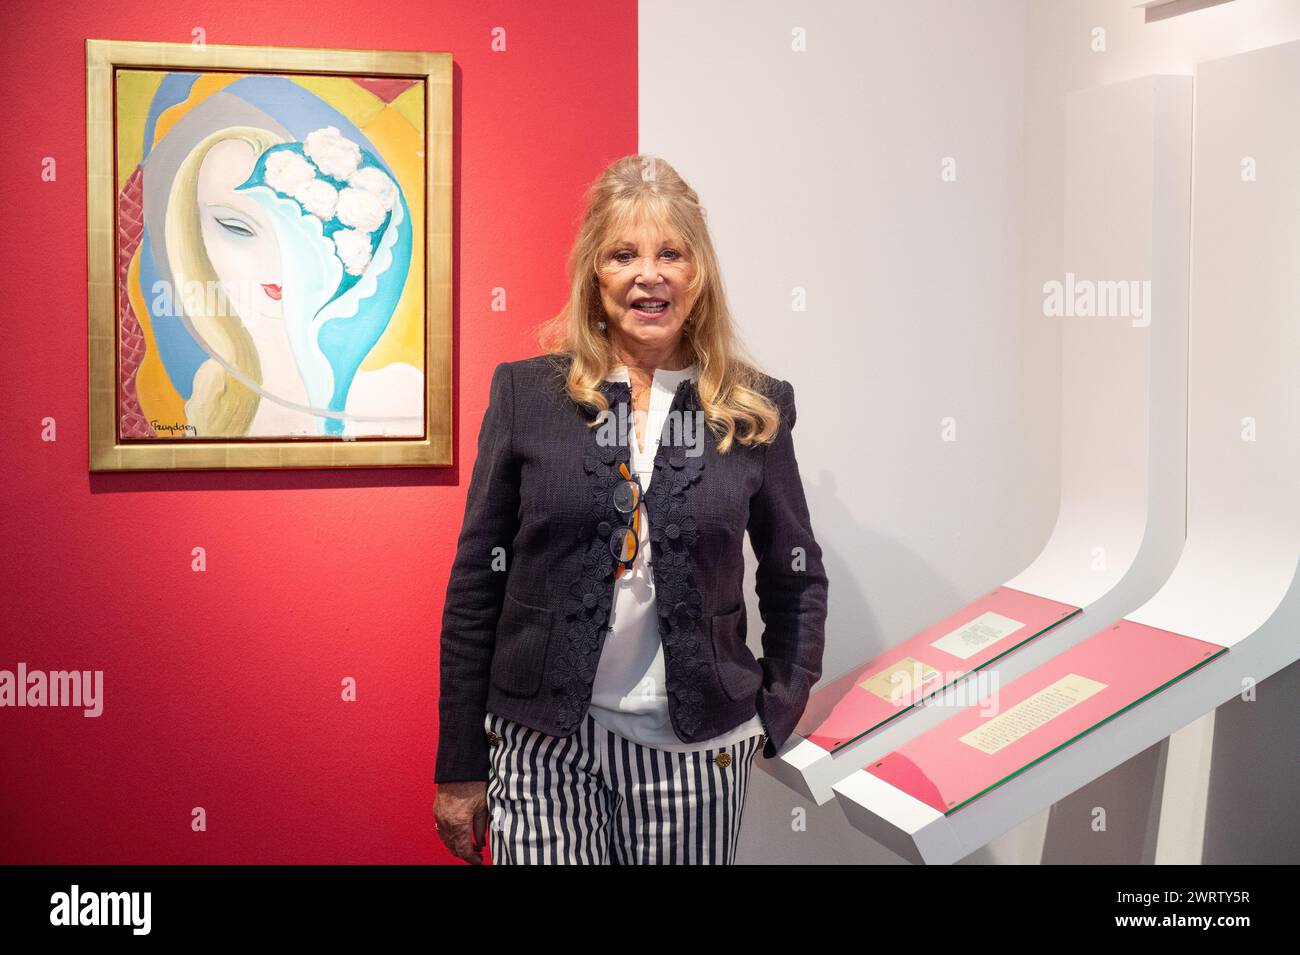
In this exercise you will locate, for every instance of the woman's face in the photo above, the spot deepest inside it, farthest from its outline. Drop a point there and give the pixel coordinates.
(239, 241)
(643, 267)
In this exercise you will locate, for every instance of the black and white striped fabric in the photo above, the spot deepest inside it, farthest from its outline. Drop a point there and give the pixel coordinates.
(598, 798)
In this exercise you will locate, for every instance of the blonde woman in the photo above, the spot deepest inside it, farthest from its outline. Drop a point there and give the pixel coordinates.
(598, 701)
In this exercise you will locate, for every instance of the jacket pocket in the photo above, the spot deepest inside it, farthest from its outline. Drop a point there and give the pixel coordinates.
(523, 633)
(739, 673)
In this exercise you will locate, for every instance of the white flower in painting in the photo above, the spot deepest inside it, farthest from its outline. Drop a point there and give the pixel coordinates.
(332, 154)
(376, 182)
(360, 209)
(286, 171)
(318, 197)
(354, 249)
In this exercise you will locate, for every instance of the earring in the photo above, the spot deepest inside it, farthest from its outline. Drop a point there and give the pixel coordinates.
(601, 324)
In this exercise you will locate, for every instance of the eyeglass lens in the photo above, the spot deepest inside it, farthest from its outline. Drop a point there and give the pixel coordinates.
(626, 497)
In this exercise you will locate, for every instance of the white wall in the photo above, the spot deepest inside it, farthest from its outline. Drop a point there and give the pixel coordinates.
(821, 170)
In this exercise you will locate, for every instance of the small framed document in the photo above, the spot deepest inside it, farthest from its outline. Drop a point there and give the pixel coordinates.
(986, 629)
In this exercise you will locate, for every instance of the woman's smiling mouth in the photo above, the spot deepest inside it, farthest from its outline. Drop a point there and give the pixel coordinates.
(650, 307)
(272, 292)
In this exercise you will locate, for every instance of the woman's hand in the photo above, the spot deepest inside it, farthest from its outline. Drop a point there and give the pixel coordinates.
(461, 816)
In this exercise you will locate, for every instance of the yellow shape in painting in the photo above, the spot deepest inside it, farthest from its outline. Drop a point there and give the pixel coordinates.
(135, 91)
(354, 101)
(410, 105)
(402, 147)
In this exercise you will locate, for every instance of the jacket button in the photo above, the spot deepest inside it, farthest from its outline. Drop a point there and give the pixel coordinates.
(723, 760)
(493, 738)
(604, 528)
(673, 531)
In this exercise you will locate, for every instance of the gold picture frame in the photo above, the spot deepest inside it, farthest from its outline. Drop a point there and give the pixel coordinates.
(230, 384)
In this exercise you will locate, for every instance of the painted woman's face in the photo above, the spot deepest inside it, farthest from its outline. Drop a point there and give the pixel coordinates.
(239, 241)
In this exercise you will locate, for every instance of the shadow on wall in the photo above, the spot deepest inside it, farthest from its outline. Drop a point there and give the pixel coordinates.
(1254, 777)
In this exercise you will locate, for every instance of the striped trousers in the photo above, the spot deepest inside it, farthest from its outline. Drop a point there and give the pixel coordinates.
(600, 799)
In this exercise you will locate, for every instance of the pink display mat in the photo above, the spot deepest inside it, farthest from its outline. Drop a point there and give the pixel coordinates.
(855, 711)
(1133, 662)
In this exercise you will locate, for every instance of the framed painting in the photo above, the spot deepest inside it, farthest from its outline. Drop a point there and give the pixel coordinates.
(269, 256)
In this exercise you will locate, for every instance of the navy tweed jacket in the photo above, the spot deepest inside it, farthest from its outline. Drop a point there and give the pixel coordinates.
(529, 595)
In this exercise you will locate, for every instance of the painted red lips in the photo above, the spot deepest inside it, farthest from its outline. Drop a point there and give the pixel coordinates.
(272, 292)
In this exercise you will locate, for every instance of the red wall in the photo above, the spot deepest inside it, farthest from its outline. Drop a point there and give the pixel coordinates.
(222, 689)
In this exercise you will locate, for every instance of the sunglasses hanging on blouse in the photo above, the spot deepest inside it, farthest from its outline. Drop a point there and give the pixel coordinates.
(625, 541)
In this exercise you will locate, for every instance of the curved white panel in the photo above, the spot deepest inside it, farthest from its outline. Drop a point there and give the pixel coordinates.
(1124, 341)
(1121, 526)
(1243, 507)
(1235, 584)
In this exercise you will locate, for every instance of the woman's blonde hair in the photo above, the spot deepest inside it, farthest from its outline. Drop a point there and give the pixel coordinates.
(220, 405)
(728, 380)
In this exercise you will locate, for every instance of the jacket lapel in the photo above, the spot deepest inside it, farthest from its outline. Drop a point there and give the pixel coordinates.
(673, 535)
(589, 599)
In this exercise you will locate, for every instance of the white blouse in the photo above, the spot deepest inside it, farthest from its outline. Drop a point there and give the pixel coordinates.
(629, 696)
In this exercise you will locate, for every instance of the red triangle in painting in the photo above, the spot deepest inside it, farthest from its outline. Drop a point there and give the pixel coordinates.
(385, 87)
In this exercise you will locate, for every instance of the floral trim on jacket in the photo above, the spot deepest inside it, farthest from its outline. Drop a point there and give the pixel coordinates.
(673, 535)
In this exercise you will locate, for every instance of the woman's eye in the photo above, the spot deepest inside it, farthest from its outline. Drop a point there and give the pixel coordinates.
(236, 227)
(623, 258)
